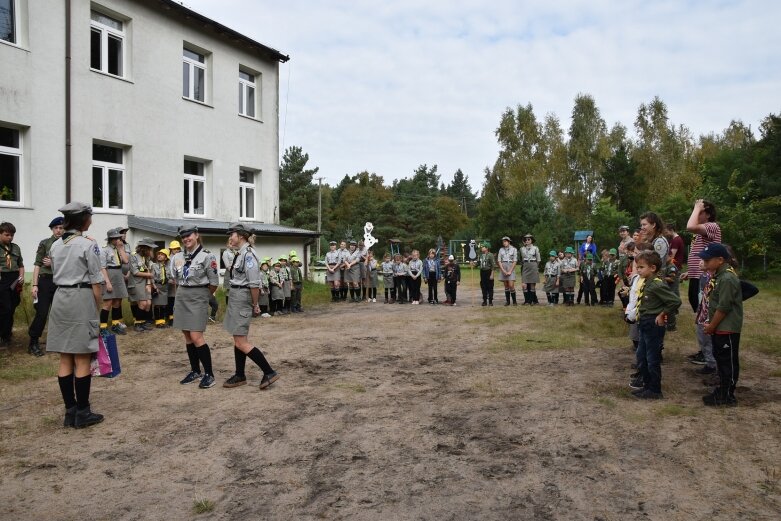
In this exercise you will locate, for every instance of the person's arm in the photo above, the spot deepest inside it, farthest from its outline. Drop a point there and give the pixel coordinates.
(109, 287)
(693, 224)
(34, 289)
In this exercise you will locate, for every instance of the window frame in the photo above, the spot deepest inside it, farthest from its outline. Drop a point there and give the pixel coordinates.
(192, 65)
(105, 32)
(244, 86)
(19, 154)
(105, 166)
(243, 187)
(191, 179)
(14, 24)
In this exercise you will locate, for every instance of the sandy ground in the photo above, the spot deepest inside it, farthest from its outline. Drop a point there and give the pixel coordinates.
(395, 412)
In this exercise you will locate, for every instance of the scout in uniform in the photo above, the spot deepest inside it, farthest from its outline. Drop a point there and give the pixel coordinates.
(160, 292)
(486, 263)
(287, 283)
(114, 288)
(609, 270)
(415, 273)
(626, 238)
(263, 299)
(332, 274)
(244, 276)
(432, 275)
(552, 275)
(195, 270)
(372, 278)
(74, 327)
(227, 259)
(452, 276)
(173, 248)
(508, 258)
(343, 254)
(364, 284)
(11, 282)
(569, 268)
(43, 286)
(276, 282)
(588, 274)
(387, 279)
(141, 273)
(297, 278)
(352, 271)
(399, 279)
(530, 271)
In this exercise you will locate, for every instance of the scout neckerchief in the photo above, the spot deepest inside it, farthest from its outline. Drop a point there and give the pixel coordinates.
(162, 273)
(235, 258)
(188, 259)
(640, 291)
(7, 250)
(712, 283)
(484, 260)
(116, 255)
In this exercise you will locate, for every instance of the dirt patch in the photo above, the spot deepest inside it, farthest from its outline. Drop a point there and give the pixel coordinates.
(398, 412)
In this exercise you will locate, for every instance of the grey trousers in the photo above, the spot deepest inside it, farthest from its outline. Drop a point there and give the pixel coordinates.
(706, 345)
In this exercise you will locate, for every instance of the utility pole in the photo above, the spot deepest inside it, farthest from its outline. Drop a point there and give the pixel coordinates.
(319, 211)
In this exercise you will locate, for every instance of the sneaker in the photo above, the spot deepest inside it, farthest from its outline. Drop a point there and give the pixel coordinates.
(235, 381)
(190, 378)
(637, 382)
(206, 382)
(698, 359)
(139, 328)
(149, 326)
(638, 391)
(648, 394)
(716, 399)
(212, 319)
(265, 315)
(705, 370)
(118, 330)
(104, 331)
(484, 303)
(269, 379)
(453, 304)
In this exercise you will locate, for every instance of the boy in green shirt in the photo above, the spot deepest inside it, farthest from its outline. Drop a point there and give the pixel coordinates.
(725, 321)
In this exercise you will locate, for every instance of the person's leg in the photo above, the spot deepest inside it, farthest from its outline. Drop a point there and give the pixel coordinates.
(65, 379)
(81, 383)
(654, 342)
(593, 293)
(6, 306)
(45, 297)
(706, 346)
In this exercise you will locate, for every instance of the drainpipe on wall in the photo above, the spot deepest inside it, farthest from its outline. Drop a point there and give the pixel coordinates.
(67, 101)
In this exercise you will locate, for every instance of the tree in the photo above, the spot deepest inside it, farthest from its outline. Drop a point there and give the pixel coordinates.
(297, 194)
(587, 152)
(460, 191)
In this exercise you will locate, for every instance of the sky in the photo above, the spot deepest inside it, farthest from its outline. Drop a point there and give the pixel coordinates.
(387, 86)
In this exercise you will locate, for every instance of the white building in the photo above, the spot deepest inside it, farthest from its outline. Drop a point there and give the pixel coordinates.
(151, 112)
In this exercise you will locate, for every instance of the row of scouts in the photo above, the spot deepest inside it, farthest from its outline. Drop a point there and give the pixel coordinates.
(79, 285)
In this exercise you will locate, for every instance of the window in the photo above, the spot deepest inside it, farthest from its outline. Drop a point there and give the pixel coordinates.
(8, 21)
(247, 194)
(193, 75)
(246, 94)
(108, 176)
(194, 188)
(10, 167)
(106, 44)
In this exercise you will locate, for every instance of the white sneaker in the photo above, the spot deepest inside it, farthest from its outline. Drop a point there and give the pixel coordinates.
(265, 315)
(454, 303)
(374, 300)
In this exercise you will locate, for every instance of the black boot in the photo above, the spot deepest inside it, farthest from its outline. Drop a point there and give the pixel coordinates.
(512, 296)
(34, 348)
(70, 417)
(527, 300)
(85, 417)
(533, 296)
(507, 297)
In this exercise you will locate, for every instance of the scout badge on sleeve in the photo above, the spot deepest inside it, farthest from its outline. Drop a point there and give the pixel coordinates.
(368, 238)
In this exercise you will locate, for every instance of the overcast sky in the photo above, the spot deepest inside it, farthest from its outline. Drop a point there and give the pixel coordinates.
(387, 86)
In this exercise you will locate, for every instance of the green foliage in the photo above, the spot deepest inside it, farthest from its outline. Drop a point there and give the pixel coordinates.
(605, 222)
(298, 195)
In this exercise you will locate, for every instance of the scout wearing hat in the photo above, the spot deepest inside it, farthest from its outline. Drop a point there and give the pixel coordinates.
(568, 269)
(487, 265)
(73, 325)
(352, 270)
(297, 278)
(530, 271)
(609, 271)
(43, 287)
(287, 283)
(343, 253)
(451, 272)
(276, 282)
(141, 293)
(196, 271)
(332, 274)
(588, 273)
(552, 273)
(173, 248)
(160, 295)
(114, 287)
(263, 300)
(508, 258)
(626, 238)
(11, 282)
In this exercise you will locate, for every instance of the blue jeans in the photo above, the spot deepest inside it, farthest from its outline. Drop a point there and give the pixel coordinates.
(649, 352)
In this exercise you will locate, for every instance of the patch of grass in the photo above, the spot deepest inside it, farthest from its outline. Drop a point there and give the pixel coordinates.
(763, 342)
(770, 485)
(673, 409)
(24, 367)
(351, 386)
(203, 505)
(607, 402)
(776, 373)
(315, 294)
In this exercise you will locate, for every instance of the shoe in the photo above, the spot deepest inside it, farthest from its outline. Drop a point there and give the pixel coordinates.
(5, 343)
(212, 319)
(638, 391)
(712, 380)
(190, 378)
(104, 331)
(648, 394)
(35, 349)
(235, 381)
(206, 382)
(453, 304)
(70, 417)
(716, 399)
(637, 382)
(705, 370)
(139, 328)
(161, 326)
(698, 359)
(85, 417)
(491, 304)
(265, 315)
(149, 326)
(117, 330)
(269, 379)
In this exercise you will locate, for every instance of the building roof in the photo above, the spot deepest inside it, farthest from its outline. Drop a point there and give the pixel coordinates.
(226, 32)
(169, 227)
(580, 235)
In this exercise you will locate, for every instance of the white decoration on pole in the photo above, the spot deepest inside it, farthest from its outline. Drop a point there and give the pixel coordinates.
(368, 239)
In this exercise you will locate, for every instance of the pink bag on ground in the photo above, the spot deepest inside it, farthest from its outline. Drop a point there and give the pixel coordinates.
(101, 362)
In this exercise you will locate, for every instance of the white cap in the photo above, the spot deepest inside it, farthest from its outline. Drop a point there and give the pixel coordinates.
(451, 258)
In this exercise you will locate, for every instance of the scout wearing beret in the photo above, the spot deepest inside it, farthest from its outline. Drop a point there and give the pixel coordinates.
(244, 275)
(530, 270)
(11, 282)
(114, 288)
(195, 269)
(569, 269)
(508, 258)
(74, 327)
(43, 287)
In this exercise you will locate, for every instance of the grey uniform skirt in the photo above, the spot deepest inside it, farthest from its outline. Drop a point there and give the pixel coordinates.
(73, 322)
(191, 308)
(372, 278)
(353, 274)
(332, 277)
(567, 280)
(550, 285)
(530, 274)
(506, 265)
(239, 313)
(162, 296)
(276, 292)
(140, 291)
(263, 298)
(118, 287)
(387, 281)
(286, 286)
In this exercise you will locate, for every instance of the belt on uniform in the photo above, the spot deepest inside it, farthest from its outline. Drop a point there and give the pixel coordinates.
(80, 285)
(236, 286)
(200, 286)
(45, 275)
(113, 267)
(529, 260)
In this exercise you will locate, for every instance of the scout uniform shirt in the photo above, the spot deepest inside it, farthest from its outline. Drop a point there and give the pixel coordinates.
(245, 269)
(44, 250)
(77, 260)
(352, 257)
(109, 258)
(12, 258)
(588, 271)
(609, 268)
(530, 254)
(227, 261)
(508, 254)
(487, 261)
(726, 296)
(295, 273)
(399, 269)
(655, 297)
(552, 269)
(139, 264)
(415, 266)
(196, 269)
(568, 264)
(332, 258)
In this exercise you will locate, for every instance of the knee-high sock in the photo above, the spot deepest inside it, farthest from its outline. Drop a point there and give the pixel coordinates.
(205, 355)
(82, 386)
(116, 315)
(104, 318)
(192, 354)
(66, 388)
(256, 356)
(241, 360)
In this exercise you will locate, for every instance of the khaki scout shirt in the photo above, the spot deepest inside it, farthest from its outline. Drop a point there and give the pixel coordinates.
(44, 250)
(246, 269)
(198, 268)
(12, 258)
(726, 296)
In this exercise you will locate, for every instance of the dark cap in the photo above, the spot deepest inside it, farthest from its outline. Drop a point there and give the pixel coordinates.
(75, 208)
(146, 241)
(713, 250)
(332, 242)
(122, 230)
(113, 233)
(57, 221)
(237, 227)
(186, 230)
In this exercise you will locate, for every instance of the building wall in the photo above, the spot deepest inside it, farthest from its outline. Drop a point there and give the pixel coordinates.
(144, 112)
